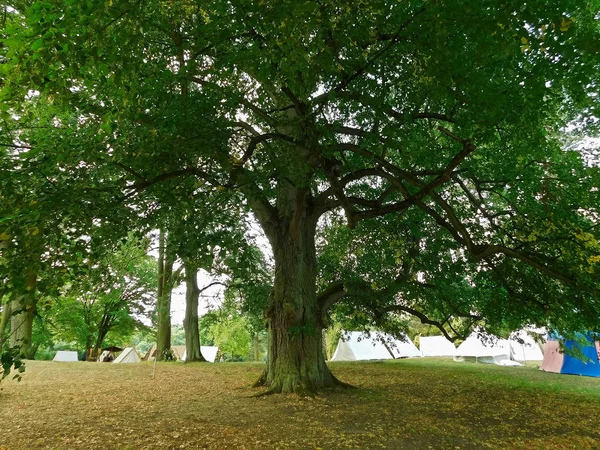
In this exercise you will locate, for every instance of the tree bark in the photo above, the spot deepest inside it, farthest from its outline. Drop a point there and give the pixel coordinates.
(22, 323)
(89, 340)
(256, 347)
(163, 303)
(103, 329)
(89, 347)
(296, 362)
(6, 314)
(190, 322)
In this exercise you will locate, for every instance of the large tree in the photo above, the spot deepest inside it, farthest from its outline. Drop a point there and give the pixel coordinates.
(441, 121)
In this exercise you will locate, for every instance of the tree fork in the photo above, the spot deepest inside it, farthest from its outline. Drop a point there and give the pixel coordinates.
(296, 362)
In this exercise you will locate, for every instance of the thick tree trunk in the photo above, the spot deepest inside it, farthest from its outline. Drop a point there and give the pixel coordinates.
(190, 322)
(22, 324)
(296, 361)
(163, 303)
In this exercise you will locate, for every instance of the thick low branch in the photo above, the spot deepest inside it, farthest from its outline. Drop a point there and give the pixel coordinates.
(256, 140)
(246, 126)
(334, 292)
(423, 318)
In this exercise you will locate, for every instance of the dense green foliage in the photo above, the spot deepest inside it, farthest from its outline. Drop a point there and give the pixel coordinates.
(237, 325)
(107, 306)
(436, 132)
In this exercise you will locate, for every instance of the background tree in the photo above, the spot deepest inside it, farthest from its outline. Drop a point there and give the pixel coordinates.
(167, 280)
(112, 297)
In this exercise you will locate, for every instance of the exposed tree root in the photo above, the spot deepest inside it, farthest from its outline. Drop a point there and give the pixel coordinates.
(262, 380)
(266, 393)
(341, 384)
(303, 388)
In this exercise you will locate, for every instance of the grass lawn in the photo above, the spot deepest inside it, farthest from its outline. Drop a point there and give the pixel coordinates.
(404, 404)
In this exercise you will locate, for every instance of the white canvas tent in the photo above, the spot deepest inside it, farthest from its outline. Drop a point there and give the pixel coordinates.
(528, 350)
(105, 356)
(178, 352)
(436, 346)
(65, 356)
(149, 356)
(360, 348)
(404, 349)
(485, 350)
(129, 355)
(208, 351)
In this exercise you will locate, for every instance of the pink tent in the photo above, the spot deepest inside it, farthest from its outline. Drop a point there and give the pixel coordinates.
(553, 358)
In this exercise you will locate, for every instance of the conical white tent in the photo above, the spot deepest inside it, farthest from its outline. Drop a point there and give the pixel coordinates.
(65, 356)
(208, 351)
(528, 350)
(485, 350)
(436, 346)
(129, 355)
(149, 356)
(106, 356)
(357, 347)
(178, 352)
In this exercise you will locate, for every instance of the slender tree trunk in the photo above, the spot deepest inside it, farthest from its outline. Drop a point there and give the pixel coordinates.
(89, 347)
(256, 347)
(296, 361)
(22, 323)
(102, 332)
(89, 340)
(163, 303)
(190, 323)
(6, 313)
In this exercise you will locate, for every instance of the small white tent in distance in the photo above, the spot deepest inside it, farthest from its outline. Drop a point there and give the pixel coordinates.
(488, 349)
(208, 351)
(129, 355)
(65, 356)
(436, 346)
(358, 347)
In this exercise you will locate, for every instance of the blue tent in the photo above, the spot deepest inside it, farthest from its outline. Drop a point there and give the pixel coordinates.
(556, 361)
(576, 366)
